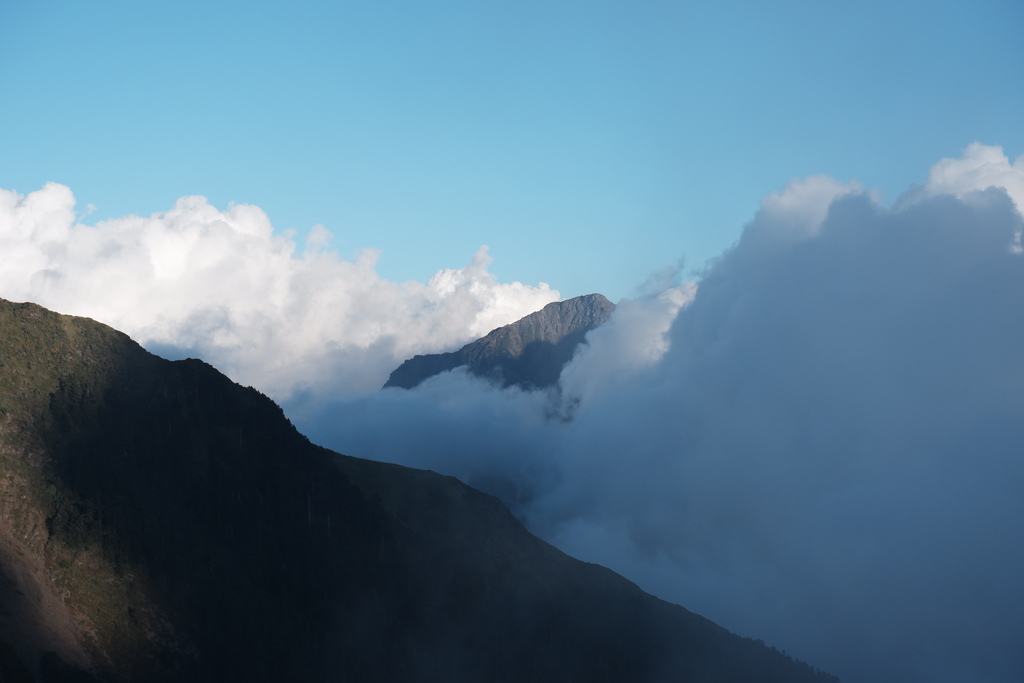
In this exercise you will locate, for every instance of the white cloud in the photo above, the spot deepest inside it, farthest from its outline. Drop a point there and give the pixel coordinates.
(980, 167)
(223, 285)
(798, 211)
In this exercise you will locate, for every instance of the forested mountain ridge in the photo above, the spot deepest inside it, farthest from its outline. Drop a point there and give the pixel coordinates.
(160, 523)
(529, 353)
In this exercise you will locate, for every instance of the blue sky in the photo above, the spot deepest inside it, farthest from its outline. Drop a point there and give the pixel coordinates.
(588, 143)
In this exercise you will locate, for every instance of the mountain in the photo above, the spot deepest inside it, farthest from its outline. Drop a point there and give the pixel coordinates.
(530, 352)
(160, 523)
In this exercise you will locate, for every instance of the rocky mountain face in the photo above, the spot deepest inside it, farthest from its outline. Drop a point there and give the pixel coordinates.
(530, 352)
(160, 523)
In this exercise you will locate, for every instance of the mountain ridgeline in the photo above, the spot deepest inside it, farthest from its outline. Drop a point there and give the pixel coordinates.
(529, 353)
(160, 523)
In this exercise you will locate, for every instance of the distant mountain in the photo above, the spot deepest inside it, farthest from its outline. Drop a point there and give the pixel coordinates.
(160, 523)
(529, 353)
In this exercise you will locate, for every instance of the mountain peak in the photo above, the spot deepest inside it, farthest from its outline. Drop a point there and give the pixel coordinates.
(529, 353)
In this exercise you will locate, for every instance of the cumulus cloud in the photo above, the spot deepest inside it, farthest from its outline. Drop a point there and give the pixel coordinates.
(979, 168)
(223, 285)
(798, 210)
(818, 445)
(829, 455)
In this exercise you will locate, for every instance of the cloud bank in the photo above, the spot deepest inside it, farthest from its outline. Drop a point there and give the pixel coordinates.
(222, 285)
(818, 445)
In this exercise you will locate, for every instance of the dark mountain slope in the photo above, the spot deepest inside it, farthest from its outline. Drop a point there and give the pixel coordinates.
(160, 523)
(530, 352)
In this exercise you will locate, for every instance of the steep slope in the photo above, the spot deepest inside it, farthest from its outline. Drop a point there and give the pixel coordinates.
(160, 523)
(530, 352)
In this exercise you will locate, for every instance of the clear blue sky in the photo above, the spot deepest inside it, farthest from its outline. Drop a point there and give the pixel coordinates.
(588, 143)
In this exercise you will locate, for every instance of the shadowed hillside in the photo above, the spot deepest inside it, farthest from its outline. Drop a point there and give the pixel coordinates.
(160, 523)
(530, 352)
